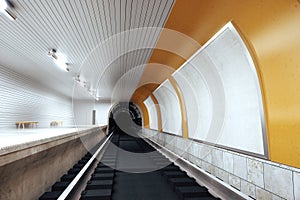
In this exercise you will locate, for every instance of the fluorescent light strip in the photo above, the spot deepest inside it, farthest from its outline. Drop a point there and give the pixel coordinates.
(61, 64)
(3, 5)
(58, 61)
(10, 15)
(4, 9)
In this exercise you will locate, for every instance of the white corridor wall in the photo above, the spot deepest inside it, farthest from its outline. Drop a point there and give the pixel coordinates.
(83, 111)
(23, 99)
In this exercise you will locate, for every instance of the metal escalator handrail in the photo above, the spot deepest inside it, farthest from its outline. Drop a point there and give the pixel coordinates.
(82, 171)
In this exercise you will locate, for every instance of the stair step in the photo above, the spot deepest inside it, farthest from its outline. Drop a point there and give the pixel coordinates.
(174, 174)
(107, 164)
(163, 164)
(103, 170)
(59, 186)
(50, 195)
(100, 184)
(82, 161)
(101, 194)
(201, 198)
(182, 182)
(171, 168)
(106, 176)
(79, 166)
(68, 177)
(192, 191)
(74, 171)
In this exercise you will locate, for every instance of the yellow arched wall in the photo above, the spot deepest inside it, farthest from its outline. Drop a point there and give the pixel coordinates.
(272, 29)
(145, 113)
(185, 131)
(158, 111)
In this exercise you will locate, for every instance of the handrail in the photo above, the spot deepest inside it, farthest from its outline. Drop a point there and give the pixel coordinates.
(82, 171)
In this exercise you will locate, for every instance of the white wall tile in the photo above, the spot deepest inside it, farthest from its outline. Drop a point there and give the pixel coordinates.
(263, 194)
(224, 175)
(180, 143)
(194, 149)
(207, 156)
(279, 181)
(228, 162)
(240, 166)
(207, 167)
(198, 162)
(234, 181)
(274, 197)
(248, 189)
(297, 185)
(203, 151)
(255, 172)
(217, 158)
(216, 172)
(213, 170)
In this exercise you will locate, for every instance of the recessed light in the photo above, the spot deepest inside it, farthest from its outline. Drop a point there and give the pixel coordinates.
(4, 8)
(59, 62)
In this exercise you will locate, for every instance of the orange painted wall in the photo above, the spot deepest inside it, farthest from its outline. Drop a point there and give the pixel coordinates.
(272, 28)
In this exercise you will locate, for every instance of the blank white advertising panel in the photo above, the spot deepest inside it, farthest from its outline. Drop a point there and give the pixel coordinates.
(197, 101)
(170, 108)
(222, 94)
(151, 107)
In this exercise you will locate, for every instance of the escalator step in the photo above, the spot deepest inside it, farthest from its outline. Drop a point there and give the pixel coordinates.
(162, 163)
(82, 161)
(86, 158)
(59, 186)
(192, 191)
(103, 166)
(171, 168)
(78, 166)
(107, 164)
(106, 176)
(68, 177)
(88, 154)
(74, 171)
(102, 184)
(50, 195)
(104, 170)
(201, 198)
(182, 182)
(101, 194)
(161, 160)
(109, 158)
(174, 174)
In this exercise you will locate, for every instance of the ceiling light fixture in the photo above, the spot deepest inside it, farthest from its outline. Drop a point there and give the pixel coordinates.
(97, 98)
(77, 78)
(4, 8)
(59, 62)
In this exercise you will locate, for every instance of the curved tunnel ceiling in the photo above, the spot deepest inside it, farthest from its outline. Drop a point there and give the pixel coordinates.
(93, 37)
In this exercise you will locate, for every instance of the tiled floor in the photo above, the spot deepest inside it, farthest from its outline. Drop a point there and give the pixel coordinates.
(13, 137)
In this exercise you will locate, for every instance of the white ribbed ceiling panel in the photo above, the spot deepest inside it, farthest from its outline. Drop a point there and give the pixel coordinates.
(90, 34)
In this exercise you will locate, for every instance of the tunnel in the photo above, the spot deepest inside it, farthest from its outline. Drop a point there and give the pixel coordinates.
(125, 117)
(149, 99)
